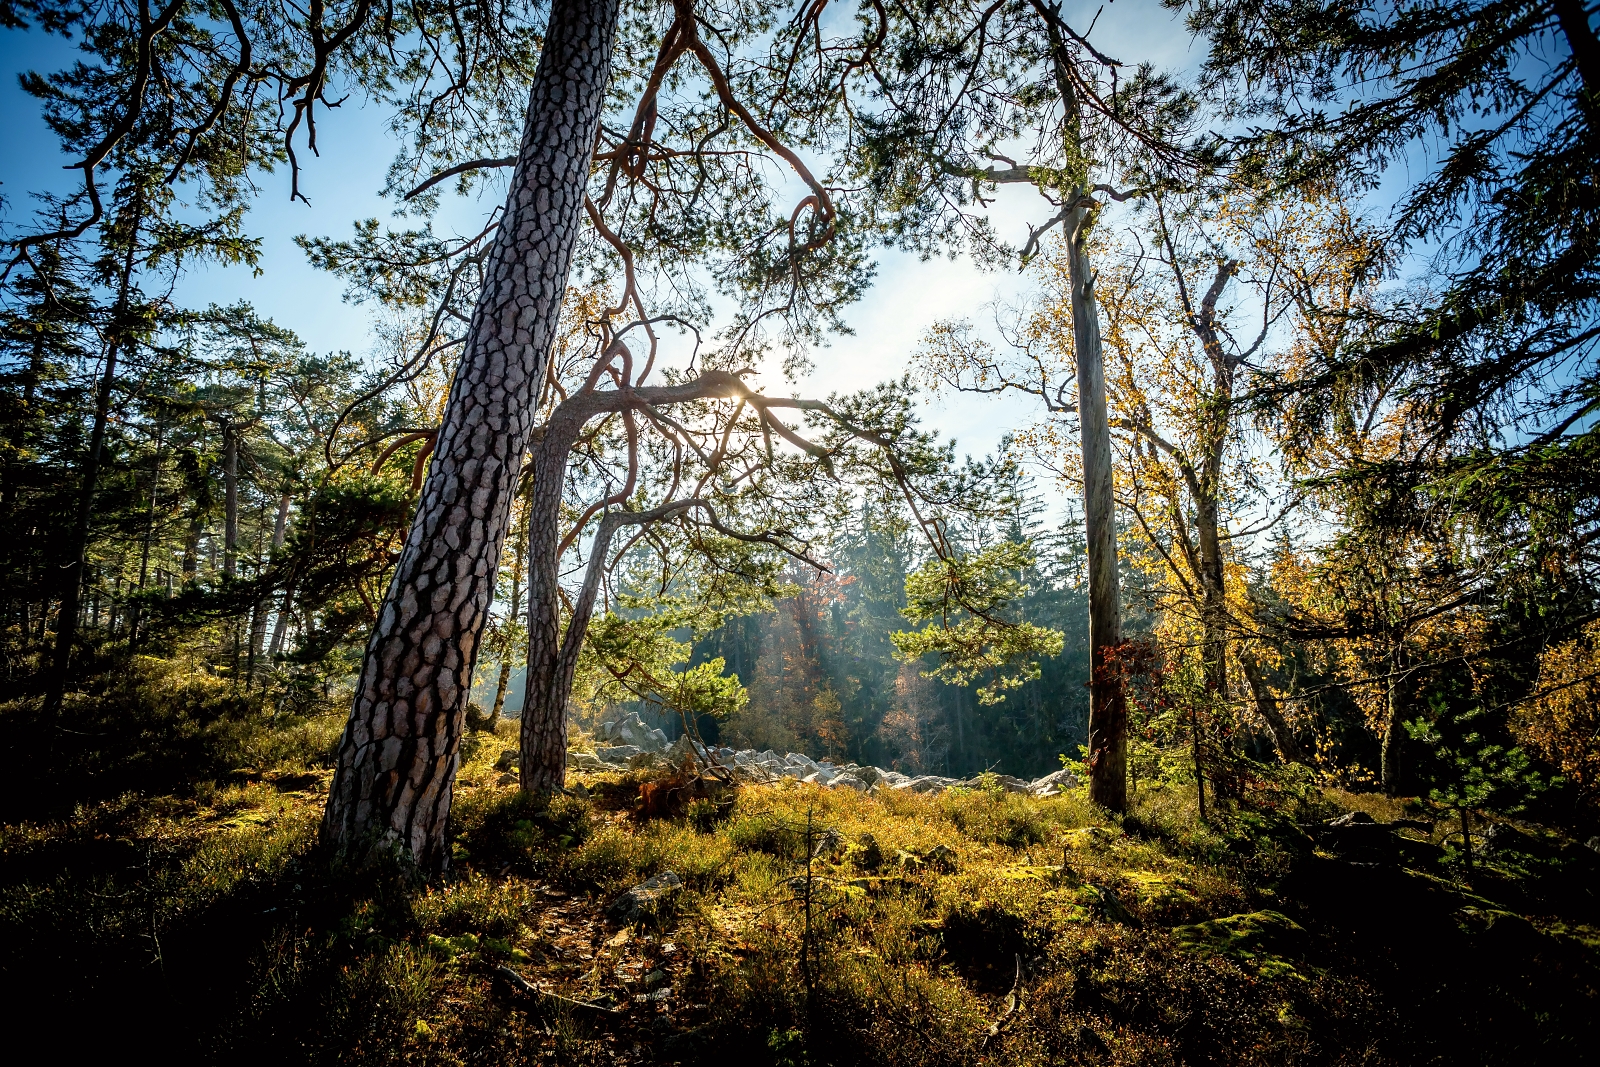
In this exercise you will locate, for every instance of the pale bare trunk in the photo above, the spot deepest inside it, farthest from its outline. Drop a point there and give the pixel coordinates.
(1108, 709)
(258, 628)
(280, 627)
(500, 691)
(398, 758)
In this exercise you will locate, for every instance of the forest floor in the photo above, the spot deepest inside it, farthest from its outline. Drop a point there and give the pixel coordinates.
(811, 926)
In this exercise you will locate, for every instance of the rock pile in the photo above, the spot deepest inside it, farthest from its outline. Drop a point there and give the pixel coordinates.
(630, 743)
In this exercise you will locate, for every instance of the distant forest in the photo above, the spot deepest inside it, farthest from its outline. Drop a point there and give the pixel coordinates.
(824, 679)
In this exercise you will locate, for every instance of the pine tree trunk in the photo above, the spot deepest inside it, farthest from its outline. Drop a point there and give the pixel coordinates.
(398, 757)
(550, 676)
(149, 536)
(548, 773)
(1108, 708)
(78, 552)
(543, 734)
(1574, 18)
(280, 627)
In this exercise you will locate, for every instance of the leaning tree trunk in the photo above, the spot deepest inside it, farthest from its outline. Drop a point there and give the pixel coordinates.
(1108, 706)
(1289, 746)
(543, 732)
(397, 760)
(550, 677)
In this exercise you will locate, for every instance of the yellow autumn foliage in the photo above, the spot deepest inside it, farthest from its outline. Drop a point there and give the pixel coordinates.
(1562, 723)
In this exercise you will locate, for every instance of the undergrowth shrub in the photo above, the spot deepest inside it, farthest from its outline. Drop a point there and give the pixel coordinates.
(994, 817)
(154, 726)
(497, 828)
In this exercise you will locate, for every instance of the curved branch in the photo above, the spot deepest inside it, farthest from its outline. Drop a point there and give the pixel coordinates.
(460, 168)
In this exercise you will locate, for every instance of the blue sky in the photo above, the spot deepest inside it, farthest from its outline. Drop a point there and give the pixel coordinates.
(343, 184)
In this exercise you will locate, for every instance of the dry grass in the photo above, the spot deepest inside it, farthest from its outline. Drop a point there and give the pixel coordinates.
(204, 923)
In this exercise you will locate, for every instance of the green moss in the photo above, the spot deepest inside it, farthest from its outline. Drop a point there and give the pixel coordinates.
(1261, 938)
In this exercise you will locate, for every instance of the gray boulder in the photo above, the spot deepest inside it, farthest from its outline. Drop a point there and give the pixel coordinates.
(632, 730)
(870, 775)
(831, 843)
(849, 781)
(1053, 783)
(645, 900)
(619, 754)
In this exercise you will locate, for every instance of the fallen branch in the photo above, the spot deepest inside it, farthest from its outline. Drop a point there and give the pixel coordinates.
(1013, 1002)
(527, 988)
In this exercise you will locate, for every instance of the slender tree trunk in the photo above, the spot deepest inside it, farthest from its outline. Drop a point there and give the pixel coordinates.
(280, 627)
(258, 626)
(1394, 725)
(500, 688)
(1108, 708)
(230, 500)
(1213, 603)
(149, 536)
(191, 546)
(78, 550)
(519, 558)
(397, 760)
(547, 772)
(961, 727)
(550, 676)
